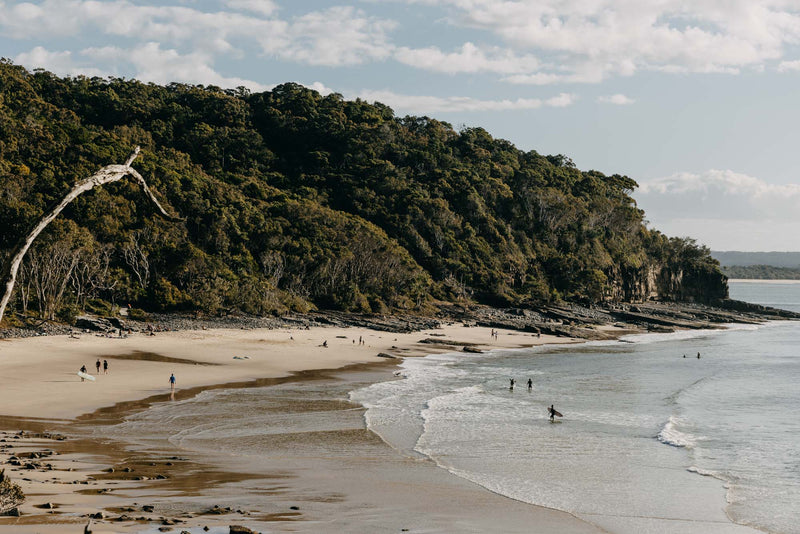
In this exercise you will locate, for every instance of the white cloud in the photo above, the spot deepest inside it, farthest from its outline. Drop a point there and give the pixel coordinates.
(469, 58)
(624, 36)
(337, 36)
(417, 104)
(320, 88)
(62, 62)
(262, 7)
(617, 99)
(724, 210)
(720, 194)
(561, 101)
(150, 62)
(789, 66)
(154, 64)
(331, 37)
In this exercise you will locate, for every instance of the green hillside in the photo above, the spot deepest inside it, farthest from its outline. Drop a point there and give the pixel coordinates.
(293, 200)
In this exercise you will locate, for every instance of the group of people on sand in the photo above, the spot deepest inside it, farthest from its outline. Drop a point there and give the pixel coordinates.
(97, 364)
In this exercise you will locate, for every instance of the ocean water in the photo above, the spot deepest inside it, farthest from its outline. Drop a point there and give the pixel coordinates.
(650, 441)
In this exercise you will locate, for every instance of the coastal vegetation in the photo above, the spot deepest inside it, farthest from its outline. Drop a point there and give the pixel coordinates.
(762, 272)
(732, 258)
(291, 200)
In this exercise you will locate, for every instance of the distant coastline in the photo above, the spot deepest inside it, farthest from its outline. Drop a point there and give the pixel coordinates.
(763, 281)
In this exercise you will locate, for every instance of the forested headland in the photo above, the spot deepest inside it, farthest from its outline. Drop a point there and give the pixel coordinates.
(292, 201)
(761, 272)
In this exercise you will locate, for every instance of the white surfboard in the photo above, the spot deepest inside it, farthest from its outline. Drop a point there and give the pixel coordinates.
(86, 376)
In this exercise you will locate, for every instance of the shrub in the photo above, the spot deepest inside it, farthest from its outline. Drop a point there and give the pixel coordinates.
(137, 314)
(11, 495)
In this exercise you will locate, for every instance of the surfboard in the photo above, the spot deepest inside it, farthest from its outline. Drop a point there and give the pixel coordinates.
(555, 412)
(86, 376)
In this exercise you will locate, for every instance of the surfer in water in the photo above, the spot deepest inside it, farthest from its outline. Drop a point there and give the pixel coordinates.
(552, 411)
(698, 355)
(511, 383)
(530, 384)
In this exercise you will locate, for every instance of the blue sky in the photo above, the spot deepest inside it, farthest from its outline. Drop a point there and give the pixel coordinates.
(697, 101)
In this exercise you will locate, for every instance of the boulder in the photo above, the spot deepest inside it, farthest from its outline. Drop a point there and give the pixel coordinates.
(92, 322)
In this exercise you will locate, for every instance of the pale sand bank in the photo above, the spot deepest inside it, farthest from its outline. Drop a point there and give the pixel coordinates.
(372, 490)
(38, 376)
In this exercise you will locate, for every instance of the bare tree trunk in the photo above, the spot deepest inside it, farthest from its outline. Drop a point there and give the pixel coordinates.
(137, 259)
(106, 175)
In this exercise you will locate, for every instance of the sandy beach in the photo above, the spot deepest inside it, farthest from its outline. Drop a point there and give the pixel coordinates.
(51, 444)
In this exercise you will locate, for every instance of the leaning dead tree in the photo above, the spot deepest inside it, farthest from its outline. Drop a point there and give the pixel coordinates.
(106, 175)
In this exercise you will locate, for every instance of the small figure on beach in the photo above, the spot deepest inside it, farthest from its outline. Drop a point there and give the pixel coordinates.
(83, 370)
(698, 355)
(97, 365)
(172, 382)
(105, 367)
(511, 383)
(684, 355)
(552, 411)
(530, 384)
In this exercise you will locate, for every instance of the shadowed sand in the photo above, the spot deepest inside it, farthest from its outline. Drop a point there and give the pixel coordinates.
(342, 481)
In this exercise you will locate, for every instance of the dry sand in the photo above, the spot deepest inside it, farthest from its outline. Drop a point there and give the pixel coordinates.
(376, 489)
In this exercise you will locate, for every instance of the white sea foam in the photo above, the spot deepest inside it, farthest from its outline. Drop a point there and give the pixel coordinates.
(670, 435)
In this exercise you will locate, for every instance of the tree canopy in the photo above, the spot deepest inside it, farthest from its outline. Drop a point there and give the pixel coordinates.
(294, 200)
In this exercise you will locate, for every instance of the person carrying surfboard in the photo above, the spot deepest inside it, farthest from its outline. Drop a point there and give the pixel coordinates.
(553, 413)
(83, 370)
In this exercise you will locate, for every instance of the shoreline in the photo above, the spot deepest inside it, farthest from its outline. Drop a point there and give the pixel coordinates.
(93, 454)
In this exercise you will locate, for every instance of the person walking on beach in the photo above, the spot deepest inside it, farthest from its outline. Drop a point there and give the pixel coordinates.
(530, 384)
(97, 364)
(83, 370)
(172, 382)
(105, 367)
(552, 410)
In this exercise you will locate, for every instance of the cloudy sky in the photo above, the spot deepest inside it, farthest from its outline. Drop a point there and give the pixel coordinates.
(697, 101)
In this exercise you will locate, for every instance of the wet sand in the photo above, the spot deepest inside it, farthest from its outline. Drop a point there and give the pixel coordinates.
(343, 481)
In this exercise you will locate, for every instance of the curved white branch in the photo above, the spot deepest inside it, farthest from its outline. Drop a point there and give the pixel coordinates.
(106, 175)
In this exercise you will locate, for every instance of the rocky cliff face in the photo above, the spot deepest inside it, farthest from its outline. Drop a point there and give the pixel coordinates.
(668, 283)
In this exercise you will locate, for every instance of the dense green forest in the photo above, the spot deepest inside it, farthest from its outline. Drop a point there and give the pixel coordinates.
(291, 200)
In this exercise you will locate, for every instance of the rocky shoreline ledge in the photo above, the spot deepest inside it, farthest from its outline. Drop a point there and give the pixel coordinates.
(566, 320)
